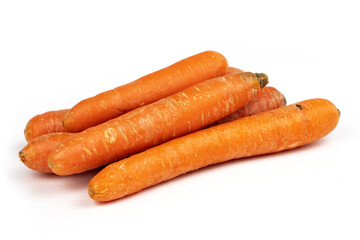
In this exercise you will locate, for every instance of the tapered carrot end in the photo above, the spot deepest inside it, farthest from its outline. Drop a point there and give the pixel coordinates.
(53, 166)
(98, 189)
(94, 193)
(22, 157)
(54, 169)
(262, 78)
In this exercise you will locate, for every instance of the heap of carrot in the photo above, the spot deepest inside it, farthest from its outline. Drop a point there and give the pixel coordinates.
(191, 114)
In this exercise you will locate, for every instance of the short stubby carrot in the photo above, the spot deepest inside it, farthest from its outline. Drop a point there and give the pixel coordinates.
(35, 154)
(267, 99)
(145, 90)
(49, 122)
(233, 70)
(272, 131)
(186, 111)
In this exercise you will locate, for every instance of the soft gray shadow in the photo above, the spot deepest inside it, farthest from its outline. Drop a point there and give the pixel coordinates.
(45, 183)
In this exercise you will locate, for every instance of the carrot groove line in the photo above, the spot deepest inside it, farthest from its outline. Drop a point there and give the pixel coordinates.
(272, 131)
(145, 90)
(188, 110)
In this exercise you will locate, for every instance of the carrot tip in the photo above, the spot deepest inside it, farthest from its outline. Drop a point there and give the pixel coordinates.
(262, 78)
(50, 165)
(22, 157)
(91, 192)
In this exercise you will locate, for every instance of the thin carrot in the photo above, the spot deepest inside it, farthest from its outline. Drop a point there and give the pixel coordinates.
(272, 131)
(35, 154)
(267, 99)
(233, 70)
(49, 122)
(181, 113)
(145, 90)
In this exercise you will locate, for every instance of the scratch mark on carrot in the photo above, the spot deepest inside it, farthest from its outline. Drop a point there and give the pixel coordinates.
(87, 151)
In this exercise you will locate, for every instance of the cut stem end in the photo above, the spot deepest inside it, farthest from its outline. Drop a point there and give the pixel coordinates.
(262, 78)
(22, 156)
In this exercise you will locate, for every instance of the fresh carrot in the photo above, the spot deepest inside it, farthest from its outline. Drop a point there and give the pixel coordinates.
(145, 90)
(233, 70)
(186, 111)
(35, 154)
(49, 122)
(272, 131)
(267, 99)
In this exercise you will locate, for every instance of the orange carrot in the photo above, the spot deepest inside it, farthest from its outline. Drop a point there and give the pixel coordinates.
(181, 113)
(145, 90)
(49, 122)
(267, 99)
(35, 154)
(233, 70)
(272, 131)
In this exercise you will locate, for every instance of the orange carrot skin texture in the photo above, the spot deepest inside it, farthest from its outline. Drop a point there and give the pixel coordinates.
(181, 113)
(267, 99)
(272, 131)
(145, 90)
(35, 154)
(49, 122)
(233, 70)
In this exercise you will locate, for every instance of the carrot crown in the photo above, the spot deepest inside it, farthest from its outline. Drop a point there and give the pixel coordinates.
(262, 78)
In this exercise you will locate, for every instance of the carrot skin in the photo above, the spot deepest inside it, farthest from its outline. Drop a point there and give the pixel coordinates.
(272, 131)
(35, 154)
(145, 90)
(268, 98)
(49, 122)
(233, 70)
(186, 111)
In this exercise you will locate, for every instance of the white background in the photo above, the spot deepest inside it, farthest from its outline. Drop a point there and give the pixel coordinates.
(55, 53)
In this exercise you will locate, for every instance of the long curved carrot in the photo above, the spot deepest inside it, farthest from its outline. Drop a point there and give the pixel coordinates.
(35, 154)
(272, 131)
(49, 122)
(267, 99)
(233, 70)
(145, 90)
(186, 111)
